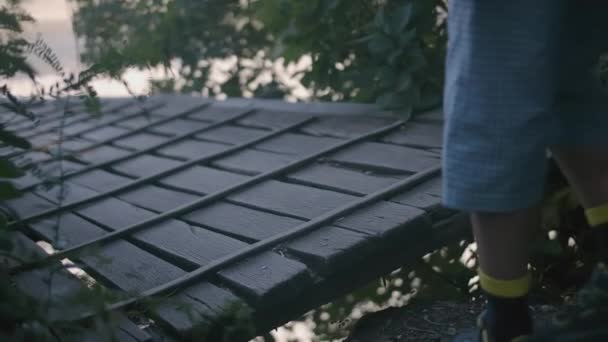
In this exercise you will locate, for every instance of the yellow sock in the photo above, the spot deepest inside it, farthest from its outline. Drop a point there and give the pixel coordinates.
(597, 215)
(512, 288)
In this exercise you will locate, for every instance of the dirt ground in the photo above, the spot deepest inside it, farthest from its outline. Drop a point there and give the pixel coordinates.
(429, 322)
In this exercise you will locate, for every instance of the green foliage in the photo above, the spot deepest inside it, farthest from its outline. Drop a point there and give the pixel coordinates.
(390, 52)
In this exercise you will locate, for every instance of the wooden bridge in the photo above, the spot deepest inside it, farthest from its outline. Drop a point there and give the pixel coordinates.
(259, 206)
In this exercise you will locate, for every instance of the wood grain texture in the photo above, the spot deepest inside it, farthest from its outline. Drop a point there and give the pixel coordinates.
(300, 201)
(191, 149)
(330, 248)
(252, 161)
(388, 219)
(202, 180)
(240, 221)
(267, 279)
(145, 165)
(386, 157)
(341, 179)
(196, 311)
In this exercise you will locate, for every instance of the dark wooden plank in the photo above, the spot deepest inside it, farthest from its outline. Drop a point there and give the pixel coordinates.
(388, 219)
(214, 113)
(66, 230)
(296, 144)
(426, 196)
(126, 214)
(267, 279)
(300, 201)
(386, 157)
(252, 161)
(145, 165)
(27, 180)
(57, 168)
(191, 149)
(104, 133)
(101, 154)
(140, 141)
(194, 312)
(231, 134)
(73, 145)
(272, 119)
(331, 248)
(345, 126)
(130, 268)
(341, 179)
(43, 141)
(239, 221)
(202, 180)
(56, 287)
(187, 245)
(65, 192)
(177, 127)
(138, 121)
(156, 198)
(26, 205)
(99, 180)
(417, 134)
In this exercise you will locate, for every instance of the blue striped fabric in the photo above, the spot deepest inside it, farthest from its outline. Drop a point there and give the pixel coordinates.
(519, 80)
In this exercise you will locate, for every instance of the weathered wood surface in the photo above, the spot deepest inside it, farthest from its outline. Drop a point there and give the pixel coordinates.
(291, 274)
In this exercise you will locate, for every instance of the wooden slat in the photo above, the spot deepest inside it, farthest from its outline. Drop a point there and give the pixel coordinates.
(386, 157)
(232, 134)
(296, 144)
(177, 126)
(104, 133)
(101, 154)
(331, 248)
(57, 287)
(252, 161)
(202, 180)
(214, 113)
(65, 192)
(99, 212)
(417, 134)
(191, 149)
(26, 205)
(240, 221)
(341, 179)
(99, 180)
(145, 165)
(346, 126)
(426, 196)
(272, 119)
(140, 141)
(267, 279)
(139, 121)
(194, 311)
(300, 201)
(156, 198)
(386, 219)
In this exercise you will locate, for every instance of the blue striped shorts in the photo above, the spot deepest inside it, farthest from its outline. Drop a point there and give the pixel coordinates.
(521, 77)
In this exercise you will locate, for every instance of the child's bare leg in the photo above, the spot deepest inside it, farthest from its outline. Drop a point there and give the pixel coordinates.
(587, 171)
(503, 247)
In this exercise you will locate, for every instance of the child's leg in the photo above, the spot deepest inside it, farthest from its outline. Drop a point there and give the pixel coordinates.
(503, 247)
(587, 171)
